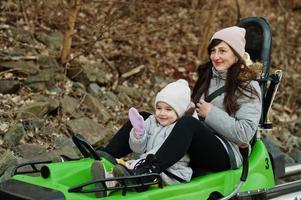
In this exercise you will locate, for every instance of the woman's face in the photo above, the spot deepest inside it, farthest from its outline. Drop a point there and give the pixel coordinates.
(165, 114)
(222, 56)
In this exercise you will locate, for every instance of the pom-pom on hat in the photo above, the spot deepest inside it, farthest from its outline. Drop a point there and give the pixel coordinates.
(177, 95)
(234, 36)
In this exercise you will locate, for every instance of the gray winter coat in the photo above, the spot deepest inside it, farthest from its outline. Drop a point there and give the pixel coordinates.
(152, 139)
(239, 128)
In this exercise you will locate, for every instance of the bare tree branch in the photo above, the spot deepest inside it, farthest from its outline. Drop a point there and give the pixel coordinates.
(133, 71)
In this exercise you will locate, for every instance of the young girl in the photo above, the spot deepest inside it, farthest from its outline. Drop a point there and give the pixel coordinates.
(146, 137)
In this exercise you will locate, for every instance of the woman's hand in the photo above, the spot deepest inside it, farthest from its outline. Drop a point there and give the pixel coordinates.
(203, 108)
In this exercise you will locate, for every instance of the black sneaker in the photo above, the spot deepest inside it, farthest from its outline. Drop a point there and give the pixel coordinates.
(122, 171)
(98, 172)
(146, 166)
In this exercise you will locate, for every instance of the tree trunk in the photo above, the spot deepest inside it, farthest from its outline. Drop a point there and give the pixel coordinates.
(204, 38)
(74, 6)
(194, 4)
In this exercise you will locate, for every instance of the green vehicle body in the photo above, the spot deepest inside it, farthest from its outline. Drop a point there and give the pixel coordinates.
(65, 175)
(64, 180)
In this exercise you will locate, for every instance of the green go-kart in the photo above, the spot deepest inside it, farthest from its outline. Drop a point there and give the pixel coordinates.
(256, 179)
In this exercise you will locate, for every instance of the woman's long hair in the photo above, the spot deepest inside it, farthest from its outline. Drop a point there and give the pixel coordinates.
(235, 86)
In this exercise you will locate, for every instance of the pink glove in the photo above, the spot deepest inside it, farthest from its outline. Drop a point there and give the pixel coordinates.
(137, 121)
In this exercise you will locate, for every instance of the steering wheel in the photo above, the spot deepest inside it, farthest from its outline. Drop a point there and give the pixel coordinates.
(84, 146)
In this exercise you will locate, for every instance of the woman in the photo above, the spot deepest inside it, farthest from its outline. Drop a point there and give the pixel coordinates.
(227, 121)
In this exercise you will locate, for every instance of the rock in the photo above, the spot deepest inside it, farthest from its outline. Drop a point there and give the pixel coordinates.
(97, 108)
(63, 141)
(48, 62)
(7, 160)
(60, 77)
(22, 35)
(37, 86)
(54, 40)
(14, 135)
(95, 74)
(25, 67)
(8, 173)
(292, 143)
(296, 155)
(125, 99)
(33, 124)
(91, 130)
(42, 80)
(87, 74)
(36, 109)
(111, 100)
(130, 91)
(13, 52)
(94, 89)
(45, 75)
(3, 127)
(55, 91)
(69, 106)
(49, 131)
(289, 160)
(52, 103)
(68, 151)
(9, 86)
(297, 127)
(78, 85)
(32, 152)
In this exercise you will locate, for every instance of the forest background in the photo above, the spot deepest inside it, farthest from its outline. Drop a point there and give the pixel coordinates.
(79, 65)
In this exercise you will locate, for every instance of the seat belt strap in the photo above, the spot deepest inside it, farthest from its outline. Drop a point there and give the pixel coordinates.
(171, 175)
(232, 160)
(214, 94)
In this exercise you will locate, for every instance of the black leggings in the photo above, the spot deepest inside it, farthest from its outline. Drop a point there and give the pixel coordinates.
(189, 135)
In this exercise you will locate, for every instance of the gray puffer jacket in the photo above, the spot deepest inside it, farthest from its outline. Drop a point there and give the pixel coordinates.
(153, 137)
(239, 128)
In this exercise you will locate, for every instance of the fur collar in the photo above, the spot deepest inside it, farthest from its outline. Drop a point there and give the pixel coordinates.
(250, 71)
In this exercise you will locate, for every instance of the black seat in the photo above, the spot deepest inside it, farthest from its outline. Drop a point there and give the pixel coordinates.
(259, 46)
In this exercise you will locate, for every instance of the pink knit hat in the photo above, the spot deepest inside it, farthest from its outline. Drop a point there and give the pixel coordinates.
(234, 36)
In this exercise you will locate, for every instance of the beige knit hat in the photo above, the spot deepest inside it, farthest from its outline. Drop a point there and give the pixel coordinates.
(177, 95)
(234, 36)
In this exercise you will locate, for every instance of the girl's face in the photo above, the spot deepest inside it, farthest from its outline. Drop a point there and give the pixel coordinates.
(222, 56)
(165, 114)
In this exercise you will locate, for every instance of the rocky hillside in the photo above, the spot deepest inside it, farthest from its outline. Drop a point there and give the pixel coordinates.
(122, 53)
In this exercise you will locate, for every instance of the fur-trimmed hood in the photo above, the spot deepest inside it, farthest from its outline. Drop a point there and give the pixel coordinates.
(250, 71)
